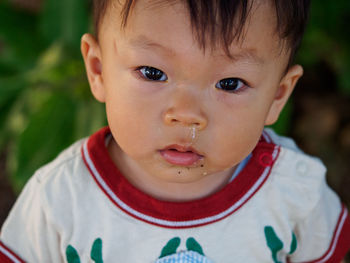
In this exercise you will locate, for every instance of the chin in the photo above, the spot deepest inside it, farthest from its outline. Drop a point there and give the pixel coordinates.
(182, 176)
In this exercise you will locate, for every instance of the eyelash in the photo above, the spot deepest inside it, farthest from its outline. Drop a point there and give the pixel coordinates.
(142, 75)
(241, 85)
(141, 72)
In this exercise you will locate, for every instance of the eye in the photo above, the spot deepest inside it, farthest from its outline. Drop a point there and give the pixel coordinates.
(154, 74)
(230, 85)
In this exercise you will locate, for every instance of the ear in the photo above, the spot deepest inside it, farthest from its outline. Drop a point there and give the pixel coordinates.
(283, 93)
(91, 52)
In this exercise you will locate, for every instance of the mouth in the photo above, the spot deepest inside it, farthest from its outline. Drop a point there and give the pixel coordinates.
(180, 155)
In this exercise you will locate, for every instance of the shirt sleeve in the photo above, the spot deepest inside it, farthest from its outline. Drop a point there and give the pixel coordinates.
(324, 235)
(27, 235)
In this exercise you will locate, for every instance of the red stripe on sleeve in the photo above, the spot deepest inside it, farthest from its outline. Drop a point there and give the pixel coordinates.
(343, 244)
(340, 243)
(8, 256)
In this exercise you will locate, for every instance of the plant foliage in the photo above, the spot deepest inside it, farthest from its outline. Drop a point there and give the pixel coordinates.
(45, 102)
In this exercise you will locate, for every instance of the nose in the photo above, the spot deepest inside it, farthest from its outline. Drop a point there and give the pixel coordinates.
(185, 110)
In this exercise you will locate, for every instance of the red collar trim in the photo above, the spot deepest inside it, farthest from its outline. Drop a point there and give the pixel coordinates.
(177, 214)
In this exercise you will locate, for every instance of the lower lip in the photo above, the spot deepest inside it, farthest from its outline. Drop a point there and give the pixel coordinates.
(180, 158)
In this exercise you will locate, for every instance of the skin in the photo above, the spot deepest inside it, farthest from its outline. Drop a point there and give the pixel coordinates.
(146, 116)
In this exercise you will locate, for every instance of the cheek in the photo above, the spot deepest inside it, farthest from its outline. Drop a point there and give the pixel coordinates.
(131, 122)
(235, 134)
(231, 148)
(128, 131)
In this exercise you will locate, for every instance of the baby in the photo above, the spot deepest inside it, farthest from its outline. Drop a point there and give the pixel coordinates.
(185, 172)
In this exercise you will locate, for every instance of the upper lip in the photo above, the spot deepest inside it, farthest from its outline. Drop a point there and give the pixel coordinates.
(182, 148)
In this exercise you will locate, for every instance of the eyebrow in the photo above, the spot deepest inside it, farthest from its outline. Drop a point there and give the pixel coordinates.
(146, 43)
(248, 55)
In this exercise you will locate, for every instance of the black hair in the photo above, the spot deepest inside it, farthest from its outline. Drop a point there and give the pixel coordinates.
(226, 18)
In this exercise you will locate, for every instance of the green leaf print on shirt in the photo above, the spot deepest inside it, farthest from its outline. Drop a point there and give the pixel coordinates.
(193, 245)
(72, 255)
(275, 244)
(170, 247)
(192, 254)
(293, 245)
(96, 251)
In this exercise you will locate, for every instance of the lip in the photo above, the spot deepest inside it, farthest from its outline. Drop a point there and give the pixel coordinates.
(180, 155)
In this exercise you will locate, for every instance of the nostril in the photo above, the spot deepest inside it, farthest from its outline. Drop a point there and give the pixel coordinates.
(185, 119)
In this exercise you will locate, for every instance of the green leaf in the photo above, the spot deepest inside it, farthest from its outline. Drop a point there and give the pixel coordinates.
(65, 20)
(19, 37)
(49, 131)
(9, 89)
(327, 40)
(91, 116)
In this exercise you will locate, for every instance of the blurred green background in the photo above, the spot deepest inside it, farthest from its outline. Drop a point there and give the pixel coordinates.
(45, 102)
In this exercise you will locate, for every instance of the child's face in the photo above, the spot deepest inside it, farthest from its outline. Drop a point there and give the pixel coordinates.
(148, 117)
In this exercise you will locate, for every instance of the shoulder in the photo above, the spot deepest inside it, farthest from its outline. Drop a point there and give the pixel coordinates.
(319, 220)
(297, 193)
(68, 160)
(62, 183)
(294, 158)
(298, 179)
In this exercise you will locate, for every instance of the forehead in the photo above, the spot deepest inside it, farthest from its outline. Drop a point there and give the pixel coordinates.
(167, 25)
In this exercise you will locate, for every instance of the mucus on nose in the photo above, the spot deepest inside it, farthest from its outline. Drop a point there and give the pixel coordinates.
(193, 132)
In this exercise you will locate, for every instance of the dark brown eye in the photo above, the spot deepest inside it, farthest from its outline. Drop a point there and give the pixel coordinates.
(230, 84)
(154, 74)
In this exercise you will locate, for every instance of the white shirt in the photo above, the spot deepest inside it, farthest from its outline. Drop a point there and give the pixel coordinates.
(80, 207)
